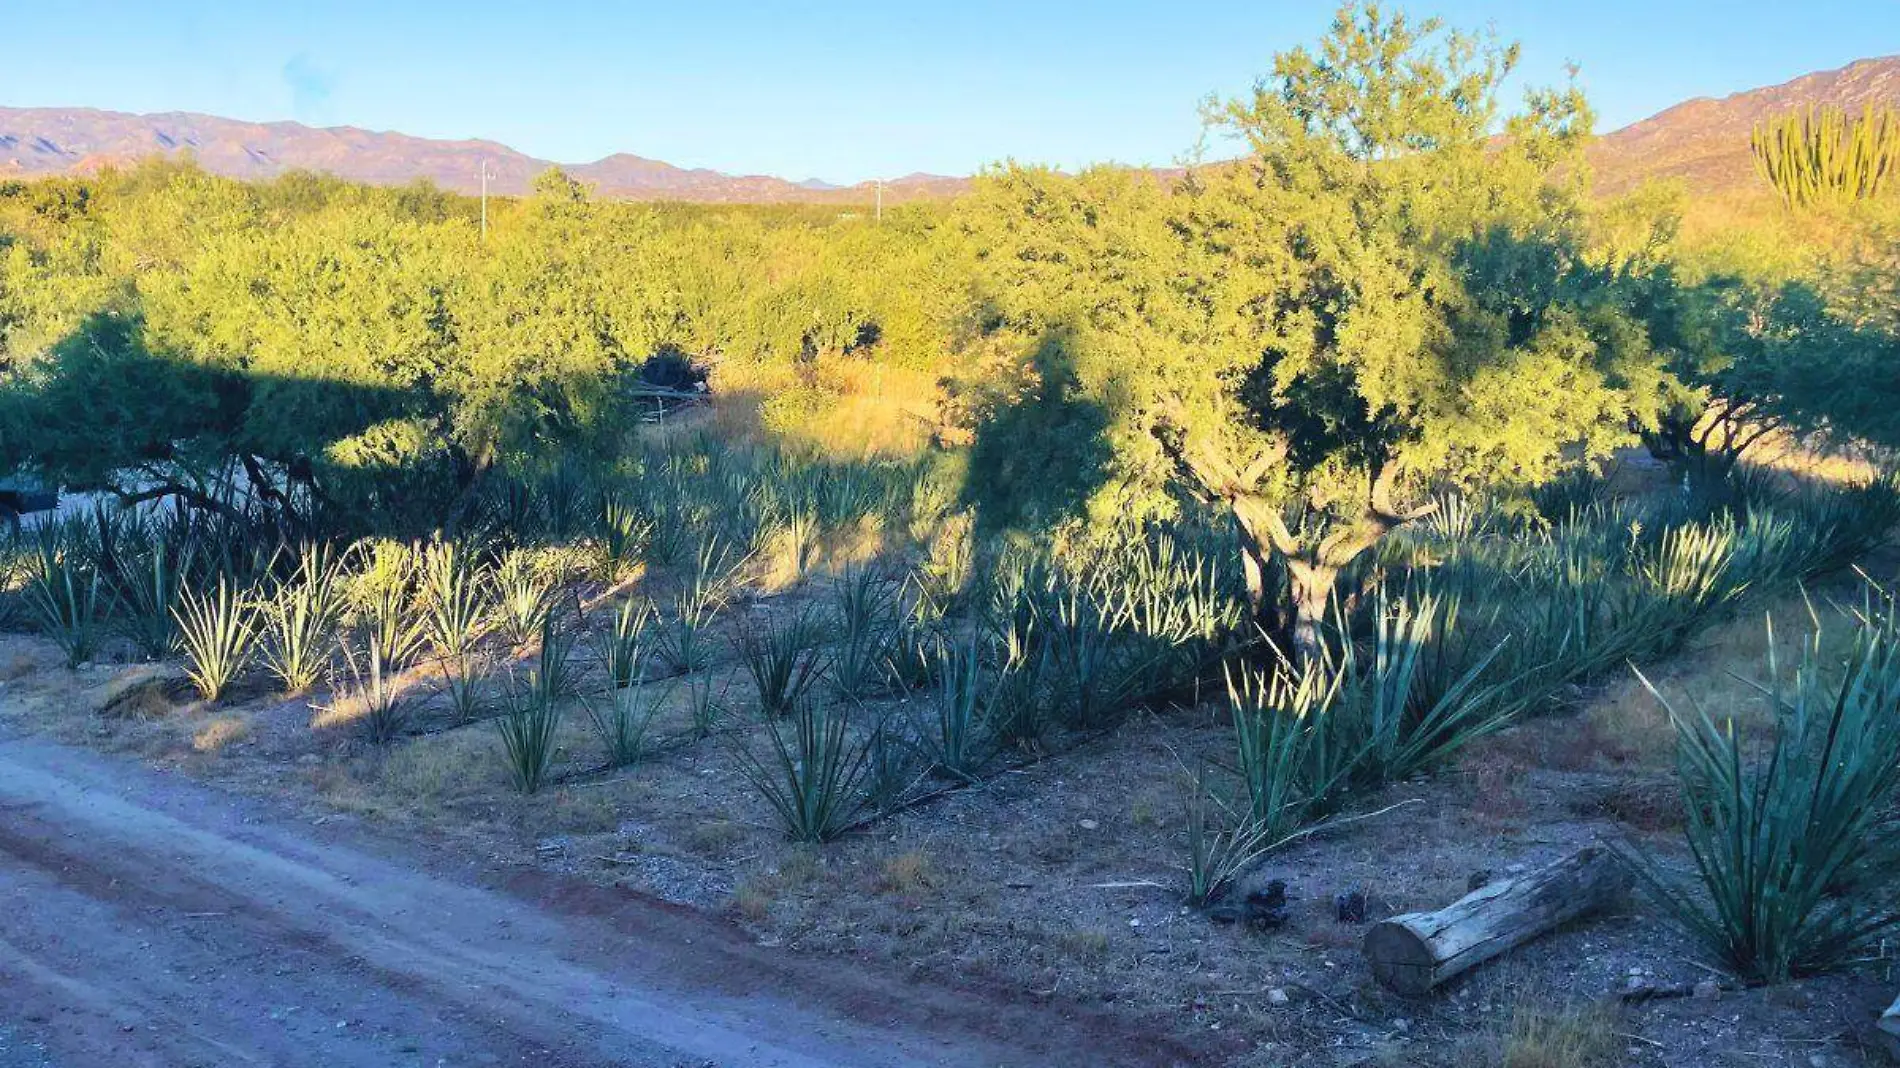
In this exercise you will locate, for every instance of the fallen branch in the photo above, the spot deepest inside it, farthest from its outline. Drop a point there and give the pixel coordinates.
(1415, 952)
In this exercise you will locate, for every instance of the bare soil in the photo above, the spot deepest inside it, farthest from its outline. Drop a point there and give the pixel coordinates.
(1034, 919)
(153, 921)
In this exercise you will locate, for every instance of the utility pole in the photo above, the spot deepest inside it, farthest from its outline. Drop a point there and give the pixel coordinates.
(484, 175)
(878, 216)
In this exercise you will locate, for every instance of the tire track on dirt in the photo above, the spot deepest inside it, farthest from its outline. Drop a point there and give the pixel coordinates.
(151, 921)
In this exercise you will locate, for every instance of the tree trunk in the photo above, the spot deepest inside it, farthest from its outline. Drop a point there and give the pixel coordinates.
(1260, 600)
(1251, 518)
(1415, 952)
(1310, 586)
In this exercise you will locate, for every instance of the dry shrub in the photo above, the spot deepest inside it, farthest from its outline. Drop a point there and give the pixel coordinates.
(906, 874)
(143, 693)
(753, 900)
(714, 837)
(437, 767)
(221, 732)
(1559, 1037)
(1495, 779)
(1647, 806)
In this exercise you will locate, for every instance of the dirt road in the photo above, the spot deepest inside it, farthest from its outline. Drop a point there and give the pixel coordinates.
(147, 920)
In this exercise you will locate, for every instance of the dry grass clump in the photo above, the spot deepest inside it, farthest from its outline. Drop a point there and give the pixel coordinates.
(220, 732)
(907, 874)
(1559, 1037)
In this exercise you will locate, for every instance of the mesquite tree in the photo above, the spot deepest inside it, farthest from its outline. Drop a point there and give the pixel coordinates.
(1387, 295)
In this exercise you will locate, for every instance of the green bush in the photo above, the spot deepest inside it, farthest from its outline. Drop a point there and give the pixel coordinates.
(217, 631)
(1797, 864)
(813, 774)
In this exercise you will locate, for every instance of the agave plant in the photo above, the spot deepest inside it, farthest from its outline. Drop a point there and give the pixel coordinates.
(217, 631)
(1221, 847)
(955, 737)
(300, 622)
(374, 692)
(782, 661)
(623, 719)
(892, 766)
(1291, 756)
(1797, 861)
(625, 534)
(457, 603)
(813, 774)
(524, 595)
(529, 729)
(67, 599)
(1405, 729)
(868, 612)
(685, 643)
(151, 588)
(703, 709)
(623, 648)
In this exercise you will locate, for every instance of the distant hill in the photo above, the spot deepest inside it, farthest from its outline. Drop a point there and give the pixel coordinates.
(40, 141)
(1703, 141)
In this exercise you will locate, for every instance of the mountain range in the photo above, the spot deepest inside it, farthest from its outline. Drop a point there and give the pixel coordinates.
(1702, 141)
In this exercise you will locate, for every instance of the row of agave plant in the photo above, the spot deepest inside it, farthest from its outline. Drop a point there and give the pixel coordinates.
(1010, 646)
(1000, 656)
(1476, 625)
(1473, 618)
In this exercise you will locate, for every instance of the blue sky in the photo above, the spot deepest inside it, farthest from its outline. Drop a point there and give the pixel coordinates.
(841, 90)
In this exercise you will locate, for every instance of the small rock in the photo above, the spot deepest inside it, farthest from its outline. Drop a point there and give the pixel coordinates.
(1707, 990)
(1479, 879)
(1089, 825)
(1277, 996)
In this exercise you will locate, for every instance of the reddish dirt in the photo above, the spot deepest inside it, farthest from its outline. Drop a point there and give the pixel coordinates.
(148, 920)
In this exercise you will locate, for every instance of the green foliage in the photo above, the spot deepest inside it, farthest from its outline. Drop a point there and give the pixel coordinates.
(456, 598)
(1797, 864)
(623, 648)
(529, 729)
(1820, 156)
(813, 774)
(868, 607)
(1259, 335)
(300, 621)
(151, 581)
(685, 643)
(954, 734)
(524, 595)
(373, 692)
(217, 631)
(1218, 854)
(557, 671)
(622, 720)
(66, 598)
(783, 660)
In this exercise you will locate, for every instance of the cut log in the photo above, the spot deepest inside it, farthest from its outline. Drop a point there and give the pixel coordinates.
(1889, 1028)
(1415, 952)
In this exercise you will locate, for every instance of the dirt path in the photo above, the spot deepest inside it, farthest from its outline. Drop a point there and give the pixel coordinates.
(147, 920)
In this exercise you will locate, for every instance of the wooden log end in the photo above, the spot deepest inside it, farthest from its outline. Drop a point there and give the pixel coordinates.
(1400, 960)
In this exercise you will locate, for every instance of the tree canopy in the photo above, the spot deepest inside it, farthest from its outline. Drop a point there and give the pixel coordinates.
(1391, 293)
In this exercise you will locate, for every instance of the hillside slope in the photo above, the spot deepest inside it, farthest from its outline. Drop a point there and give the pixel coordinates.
(1703, 141)
(40, 141)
